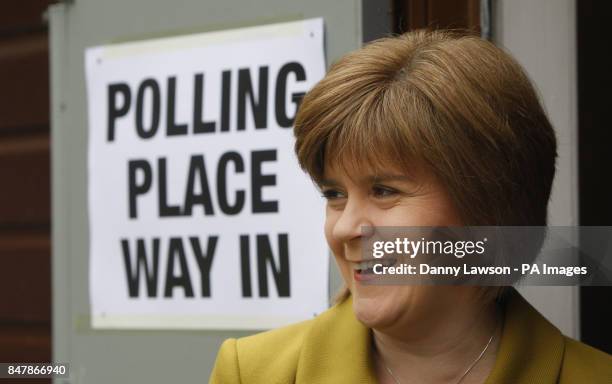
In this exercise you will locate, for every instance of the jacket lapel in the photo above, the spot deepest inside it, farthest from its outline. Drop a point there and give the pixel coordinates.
(531, 348)
(336, 349)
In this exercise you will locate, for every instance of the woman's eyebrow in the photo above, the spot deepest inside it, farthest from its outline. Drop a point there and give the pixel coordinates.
(327, 183)
(379, 178)
(389, 177)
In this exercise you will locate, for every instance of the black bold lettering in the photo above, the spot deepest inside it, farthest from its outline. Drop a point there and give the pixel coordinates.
(165, 210)
(183, 279)
(239, 196)
(245, 266)
(259, 180)
(199, 125)
(172, 127)
(204, 261)
(226, 93)
(147, 133)
(281, 92)
(265, 258)
(115, 111)
(197, 170)
(134, 188)
(142, 263)
(259, 106)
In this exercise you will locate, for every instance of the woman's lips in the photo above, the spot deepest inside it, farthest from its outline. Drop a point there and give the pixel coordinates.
(364, 271)
(360, 276)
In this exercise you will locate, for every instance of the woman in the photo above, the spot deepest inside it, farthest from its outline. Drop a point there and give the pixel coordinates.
(423, 129)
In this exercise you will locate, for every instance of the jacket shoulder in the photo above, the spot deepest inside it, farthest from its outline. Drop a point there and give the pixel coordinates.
(585, 364)
(267, 357)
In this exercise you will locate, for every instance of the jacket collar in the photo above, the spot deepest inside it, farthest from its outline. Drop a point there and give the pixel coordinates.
(531, 348)
(337, 348)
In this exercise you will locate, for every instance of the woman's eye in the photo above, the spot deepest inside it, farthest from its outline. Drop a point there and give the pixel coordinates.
(382, 192)
(331, 194)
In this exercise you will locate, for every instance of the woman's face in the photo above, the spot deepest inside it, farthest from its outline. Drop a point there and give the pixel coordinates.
(385, 198)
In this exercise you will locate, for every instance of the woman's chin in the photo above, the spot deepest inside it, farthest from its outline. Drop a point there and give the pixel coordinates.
(377, 311)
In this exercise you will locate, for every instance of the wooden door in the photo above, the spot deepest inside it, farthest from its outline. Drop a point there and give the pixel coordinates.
(25, 273)
(457, 14)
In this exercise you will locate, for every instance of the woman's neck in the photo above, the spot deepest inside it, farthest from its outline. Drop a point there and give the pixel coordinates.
(441, 349)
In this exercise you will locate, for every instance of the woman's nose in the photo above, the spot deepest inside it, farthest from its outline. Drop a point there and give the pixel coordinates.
(354, 221)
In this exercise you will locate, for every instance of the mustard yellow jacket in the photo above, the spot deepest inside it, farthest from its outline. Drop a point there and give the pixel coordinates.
(334, 347)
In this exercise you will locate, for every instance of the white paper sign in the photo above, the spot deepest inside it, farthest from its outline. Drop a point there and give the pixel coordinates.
(199, 215)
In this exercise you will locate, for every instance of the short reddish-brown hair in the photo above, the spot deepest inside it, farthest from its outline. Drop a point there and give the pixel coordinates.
(462, 106)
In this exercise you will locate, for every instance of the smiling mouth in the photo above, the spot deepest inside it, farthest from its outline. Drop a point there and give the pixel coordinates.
(366, 267)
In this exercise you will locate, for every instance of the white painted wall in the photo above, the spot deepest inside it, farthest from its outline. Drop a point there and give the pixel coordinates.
(541, 35)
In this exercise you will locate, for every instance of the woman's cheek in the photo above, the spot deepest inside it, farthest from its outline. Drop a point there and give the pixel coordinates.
(335, 246)
(330, 220)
